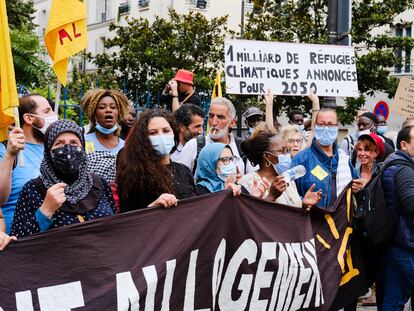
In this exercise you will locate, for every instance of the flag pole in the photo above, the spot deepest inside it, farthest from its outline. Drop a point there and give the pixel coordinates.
(20, 159)
(58, 87)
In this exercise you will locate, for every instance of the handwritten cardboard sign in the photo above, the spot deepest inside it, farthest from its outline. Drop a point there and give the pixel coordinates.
(403, 103)
(252, 67)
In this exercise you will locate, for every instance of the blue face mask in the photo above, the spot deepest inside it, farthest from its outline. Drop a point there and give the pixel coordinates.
(382, 129)
(104, 130)
(326, 136)
(162, 144)
(227, 170)
(285, 161)
(250, 130)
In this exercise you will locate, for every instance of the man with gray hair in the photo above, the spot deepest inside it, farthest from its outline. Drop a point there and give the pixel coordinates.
(221, 118)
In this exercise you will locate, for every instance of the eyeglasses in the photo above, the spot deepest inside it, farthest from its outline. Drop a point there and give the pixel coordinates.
(330, 126)
(226, 160)
(293, 140)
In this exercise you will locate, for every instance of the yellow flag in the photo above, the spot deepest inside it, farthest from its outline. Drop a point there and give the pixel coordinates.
(216, 93)
(66, 33)
(8, 92)
(217, 87)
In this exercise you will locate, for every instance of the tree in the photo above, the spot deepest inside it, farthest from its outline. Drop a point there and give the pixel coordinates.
(20, 14)
(147, 55)
(306, 21)
(29, 69)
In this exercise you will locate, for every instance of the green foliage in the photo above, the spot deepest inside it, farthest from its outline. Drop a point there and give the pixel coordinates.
(306, 21)
(29, 69)
(20, 14)
(150, 54)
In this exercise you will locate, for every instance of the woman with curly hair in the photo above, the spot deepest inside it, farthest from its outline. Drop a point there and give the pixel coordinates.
(105, 110)
(146, 176)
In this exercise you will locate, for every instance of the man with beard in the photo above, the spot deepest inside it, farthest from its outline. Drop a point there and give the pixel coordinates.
(35, 114)
(221, 118)
(190, 120)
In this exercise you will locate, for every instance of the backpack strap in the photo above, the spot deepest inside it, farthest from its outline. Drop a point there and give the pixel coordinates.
(351, 143)
(201, 142)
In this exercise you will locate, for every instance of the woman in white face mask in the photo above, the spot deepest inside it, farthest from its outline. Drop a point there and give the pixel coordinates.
(146, 176)
(268, 150)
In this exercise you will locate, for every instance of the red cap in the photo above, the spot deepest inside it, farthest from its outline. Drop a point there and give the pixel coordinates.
(184, 76)
(377, 140)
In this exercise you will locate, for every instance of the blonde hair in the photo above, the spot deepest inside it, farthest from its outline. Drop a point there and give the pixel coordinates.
(288, 130)
(121, 103)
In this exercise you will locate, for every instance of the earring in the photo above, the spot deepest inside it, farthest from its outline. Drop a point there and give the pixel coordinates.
(267, 164)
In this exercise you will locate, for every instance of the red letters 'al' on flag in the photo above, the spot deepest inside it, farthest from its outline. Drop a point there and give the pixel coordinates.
(66, 33)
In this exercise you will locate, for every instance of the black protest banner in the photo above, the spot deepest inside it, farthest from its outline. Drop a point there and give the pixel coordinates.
(214, 252)
(339, 254)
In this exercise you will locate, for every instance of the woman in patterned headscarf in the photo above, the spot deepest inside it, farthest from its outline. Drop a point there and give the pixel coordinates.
(64, 193)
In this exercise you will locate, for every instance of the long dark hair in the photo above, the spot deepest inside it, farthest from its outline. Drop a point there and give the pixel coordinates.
(138, 166)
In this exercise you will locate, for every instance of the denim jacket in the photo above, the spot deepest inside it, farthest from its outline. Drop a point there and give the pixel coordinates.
(321, 170)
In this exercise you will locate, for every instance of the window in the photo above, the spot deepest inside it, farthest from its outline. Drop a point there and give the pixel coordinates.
(143, 3)
(42, 23)
(200, 4)
(124, 8)
(403, 54)
(100, 45)
(103, 11)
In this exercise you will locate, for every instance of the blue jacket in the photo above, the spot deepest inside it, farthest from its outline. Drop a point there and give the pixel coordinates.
(324, 178)
(398, 184)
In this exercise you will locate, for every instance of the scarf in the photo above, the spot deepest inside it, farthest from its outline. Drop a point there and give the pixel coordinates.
(81, 187)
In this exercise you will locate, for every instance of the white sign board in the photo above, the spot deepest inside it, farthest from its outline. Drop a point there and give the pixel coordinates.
(252, 67)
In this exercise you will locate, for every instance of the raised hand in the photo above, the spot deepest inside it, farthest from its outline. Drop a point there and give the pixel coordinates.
(311, 198)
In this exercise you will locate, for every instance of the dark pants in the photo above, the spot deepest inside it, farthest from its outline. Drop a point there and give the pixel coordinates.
(399, 278)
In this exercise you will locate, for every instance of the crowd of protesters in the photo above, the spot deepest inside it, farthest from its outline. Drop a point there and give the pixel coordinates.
(54, 173)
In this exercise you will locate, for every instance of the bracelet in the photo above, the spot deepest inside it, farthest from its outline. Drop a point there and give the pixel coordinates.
(314, 110)
(175, 96)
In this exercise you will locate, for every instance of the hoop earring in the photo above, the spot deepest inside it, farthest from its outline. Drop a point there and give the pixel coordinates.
(267, 164)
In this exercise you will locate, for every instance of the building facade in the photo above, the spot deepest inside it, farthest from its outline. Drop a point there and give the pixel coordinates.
(100, 13)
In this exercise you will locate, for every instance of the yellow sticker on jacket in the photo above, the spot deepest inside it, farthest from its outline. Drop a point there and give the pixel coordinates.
(319, 173)
(89, 147)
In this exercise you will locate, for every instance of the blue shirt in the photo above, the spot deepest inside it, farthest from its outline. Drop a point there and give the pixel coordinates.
(321, 170)
(93, 144)
(32, 157)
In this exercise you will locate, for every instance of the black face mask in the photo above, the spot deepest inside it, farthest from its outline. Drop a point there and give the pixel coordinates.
(67, 159)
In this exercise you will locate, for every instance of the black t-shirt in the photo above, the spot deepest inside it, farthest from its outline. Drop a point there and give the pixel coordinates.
(193, 99)
(183, 185)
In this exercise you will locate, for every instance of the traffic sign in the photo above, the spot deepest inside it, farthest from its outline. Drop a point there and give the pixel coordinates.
(382, 108)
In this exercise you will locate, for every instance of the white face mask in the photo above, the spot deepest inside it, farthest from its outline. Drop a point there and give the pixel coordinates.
(48, 121)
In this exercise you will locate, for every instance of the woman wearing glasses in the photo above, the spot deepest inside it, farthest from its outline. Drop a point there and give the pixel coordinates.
(268, 150)
(293, 139)
(216, 170)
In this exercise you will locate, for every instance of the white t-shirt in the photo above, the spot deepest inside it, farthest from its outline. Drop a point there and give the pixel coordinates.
(189, 153)
(176, 154)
